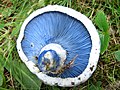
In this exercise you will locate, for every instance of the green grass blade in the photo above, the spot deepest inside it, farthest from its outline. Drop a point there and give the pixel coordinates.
(117, 55)
(102, 24)
(101, 21)
(1, 75)
(4, 88)
(24, 76)
(1, 79)
(105, 42)
(21, 73)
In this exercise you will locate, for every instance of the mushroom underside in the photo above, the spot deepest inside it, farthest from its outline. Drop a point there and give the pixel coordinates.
(64, 30)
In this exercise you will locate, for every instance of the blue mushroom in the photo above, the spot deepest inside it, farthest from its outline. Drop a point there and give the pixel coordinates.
(62, 46)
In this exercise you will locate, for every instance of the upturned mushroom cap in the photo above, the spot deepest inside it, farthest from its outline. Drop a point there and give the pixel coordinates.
(59, 45)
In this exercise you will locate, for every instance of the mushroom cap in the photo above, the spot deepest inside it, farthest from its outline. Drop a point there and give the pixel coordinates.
(59, 45)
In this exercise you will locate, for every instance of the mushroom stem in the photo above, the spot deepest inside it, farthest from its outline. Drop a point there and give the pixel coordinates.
(51, 58)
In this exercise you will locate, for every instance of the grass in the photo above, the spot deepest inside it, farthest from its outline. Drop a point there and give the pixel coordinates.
(14, 74)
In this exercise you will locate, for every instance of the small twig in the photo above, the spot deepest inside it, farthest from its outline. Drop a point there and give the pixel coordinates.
(71, 62)
(66, 66)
